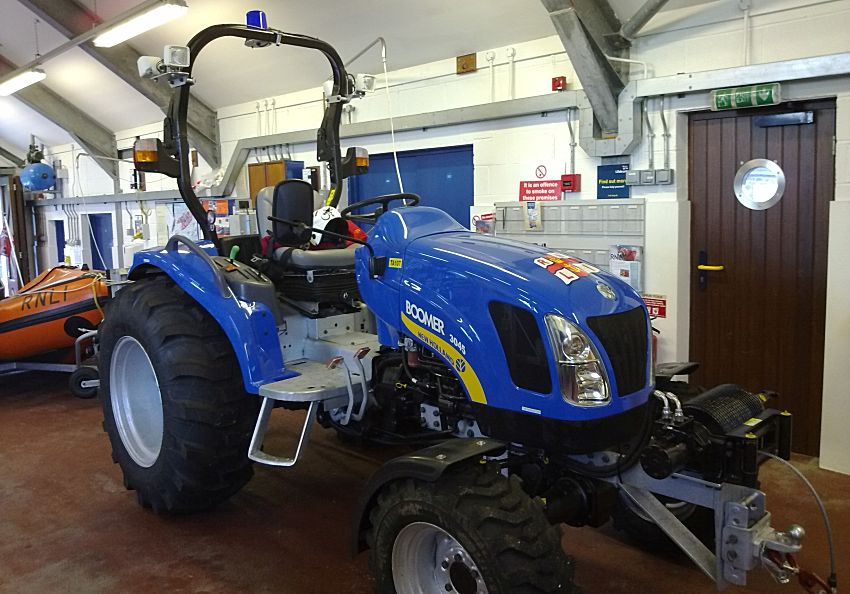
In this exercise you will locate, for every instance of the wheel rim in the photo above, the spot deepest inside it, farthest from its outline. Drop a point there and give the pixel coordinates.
(427, 559)
(136, 401)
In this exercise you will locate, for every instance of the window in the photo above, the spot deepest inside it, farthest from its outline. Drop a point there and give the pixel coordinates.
(759, 184)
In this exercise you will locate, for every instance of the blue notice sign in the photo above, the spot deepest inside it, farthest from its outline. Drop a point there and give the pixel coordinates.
(611, 181)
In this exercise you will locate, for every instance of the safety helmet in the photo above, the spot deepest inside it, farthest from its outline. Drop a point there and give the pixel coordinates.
(328, 218)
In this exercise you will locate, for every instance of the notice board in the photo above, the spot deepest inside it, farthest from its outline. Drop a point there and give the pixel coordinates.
(611, 181)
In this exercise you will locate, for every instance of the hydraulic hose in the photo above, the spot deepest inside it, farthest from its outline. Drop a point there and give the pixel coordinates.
(833, 576)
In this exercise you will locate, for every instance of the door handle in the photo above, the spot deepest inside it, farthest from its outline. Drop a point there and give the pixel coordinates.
(704, 268)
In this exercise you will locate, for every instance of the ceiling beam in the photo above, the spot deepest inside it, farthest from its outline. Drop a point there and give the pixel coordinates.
(601, 22)
(639, 19)
(600, 81)
(72, 19)
(89, 133)
(10, 156)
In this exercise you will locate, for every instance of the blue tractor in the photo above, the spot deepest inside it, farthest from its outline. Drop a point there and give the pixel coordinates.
(526, 374)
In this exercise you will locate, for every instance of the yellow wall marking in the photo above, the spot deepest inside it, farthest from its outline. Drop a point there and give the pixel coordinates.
(462, 367)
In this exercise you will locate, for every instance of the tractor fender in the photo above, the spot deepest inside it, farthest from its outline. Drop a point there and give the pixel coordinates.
(427, 465)
(249, 323)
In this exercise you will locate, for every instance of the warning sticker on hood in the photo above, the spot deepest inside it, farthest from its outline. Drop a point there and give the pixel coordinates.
(565, 267)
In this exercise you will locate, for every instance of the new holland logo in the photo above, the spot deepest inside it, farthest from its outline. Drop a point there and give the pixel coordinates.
(605, 290)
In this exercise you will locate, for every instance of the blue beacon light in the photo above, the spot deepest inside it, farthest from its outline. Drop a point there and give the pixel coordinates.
(256, 19)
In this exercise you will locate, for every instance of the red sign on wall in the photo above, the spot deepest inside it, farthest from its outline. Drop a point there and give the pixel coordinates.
(539, 189)
(220, 207)
(657, 305)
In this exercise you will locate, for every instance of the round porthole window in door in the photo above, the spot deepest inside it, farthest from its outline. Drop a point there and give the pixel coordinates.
(759, 184)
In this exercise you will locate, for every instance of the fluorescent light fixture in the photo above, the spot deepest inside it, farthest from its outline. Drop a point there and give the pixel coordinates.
(22, 80)
(159, 15)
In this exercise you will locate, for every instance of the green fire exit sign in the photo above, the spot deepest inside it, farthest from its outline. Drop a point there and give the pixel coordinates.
(749, 96)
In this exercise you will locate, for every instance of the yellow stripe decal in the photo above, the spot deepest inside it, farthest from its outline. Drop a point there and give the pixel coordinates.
(462, 367)
(330, 199)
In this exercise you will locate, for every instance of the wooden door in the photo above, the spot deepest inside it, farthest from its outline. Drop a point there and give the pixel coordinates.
(263, 174)
(760, 321)
(275, 173)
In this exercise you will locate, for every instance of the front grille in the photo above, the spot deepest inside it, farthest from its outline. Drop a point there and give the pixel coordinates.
(623, 336)
(523, 346)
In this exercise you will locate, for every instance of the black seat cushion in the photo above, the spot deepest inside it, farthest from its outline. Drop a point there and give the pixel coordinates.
(293, 201)
(315, 259)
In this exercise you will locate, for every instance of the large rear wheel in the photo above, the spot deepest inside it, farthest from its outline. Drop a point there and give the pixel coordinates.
(174, 407)
(472, 532)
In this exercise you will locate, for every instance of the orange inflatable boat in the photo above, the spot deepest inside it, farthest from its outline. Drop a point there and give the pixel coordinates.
(48, 312)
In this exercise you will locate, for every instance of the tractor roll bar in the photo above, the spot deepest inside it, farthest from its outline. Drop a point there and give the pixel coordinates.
(327, 137)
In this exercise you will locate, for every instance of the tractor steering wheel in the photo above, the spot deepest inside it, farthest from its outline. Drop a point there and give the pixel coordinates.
(384, 201)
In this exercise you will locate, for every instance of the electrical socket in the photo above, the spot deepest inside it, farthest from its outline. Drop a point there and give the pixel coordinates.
(647, 177)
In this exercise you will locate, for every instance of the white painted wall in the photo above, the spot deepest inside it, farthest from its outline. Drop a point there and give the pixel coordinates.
(835, 439)
(707, 36)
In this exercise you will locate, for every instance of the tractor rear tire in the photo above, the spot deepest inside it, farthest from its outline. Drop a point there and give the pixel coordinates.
(174, 406)
(487, 530)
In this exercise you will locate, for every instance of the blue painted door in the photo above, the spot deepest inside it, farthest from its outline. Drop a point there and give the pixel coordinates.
(59, 227)
(443, 178)
(101, 241)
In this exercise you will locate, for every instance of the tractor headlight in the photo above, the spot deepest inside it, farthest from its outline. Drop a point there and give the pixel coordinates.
(581, 373)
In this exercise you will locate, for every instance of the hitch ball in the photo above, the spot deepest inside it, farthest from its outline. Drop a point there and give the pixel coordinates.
(796, 533)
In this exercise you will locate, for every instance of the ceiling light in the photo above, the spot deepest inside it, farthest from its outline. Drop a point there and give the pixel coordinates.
(146, 21)
(22, 80)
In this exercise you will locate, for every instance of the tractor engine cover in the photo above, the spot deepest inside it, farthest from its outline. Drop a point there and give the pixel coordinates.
(490, 309)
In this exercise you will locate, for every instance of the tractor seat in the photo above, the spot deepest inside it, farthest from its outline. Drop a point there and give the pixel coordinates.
(318, 276)
(292, 199)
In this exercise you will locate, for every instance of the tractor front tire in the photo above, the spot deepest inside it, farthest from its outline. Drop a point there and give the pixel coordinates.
(471, 531)
(174, 406)
(631, 520)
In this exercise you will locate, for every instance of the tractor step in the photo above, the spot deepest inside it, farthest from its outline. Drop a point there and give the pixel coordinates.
(316, 383)
(255, 452)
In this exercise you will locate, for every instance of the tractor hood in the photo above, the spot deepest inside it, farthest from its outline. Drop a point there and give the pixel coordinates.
(542, 279)
(457, 291)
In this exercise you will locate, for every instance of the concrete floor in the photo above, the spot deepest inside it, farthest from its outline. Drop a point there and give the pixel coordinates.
(68, 525)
